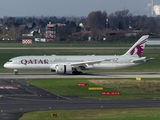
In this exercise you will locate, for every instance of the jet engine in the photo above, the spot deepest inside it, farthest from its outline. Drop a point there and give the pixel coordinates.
(63, 69)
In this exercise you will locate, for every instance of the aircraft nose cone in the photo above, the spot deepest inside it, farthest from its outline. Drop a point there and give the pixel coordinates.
(5, 65)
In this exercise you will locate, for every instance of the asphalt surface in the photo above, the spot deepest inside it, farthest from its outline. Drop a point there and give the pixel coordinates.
(19, 97)
(87, 75)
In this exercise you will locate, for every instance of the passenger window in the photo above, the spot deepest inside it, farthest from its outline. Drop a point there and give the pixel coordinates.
(10, 60)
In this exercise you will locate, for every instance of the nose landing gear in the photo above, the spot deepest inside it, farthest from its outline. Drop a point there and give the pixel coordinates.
(16, 72)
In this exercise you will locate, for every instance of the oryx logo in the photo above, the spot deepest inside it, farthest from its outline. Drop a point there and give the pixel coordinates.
(138, 49)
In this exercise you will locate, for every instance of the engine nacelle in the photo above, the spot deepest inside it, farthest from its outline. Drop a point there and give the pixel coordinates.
(63, 69)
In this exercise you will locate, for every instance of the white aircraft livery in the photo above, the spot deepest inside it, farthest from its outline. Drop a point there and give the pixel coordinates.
(74, 64)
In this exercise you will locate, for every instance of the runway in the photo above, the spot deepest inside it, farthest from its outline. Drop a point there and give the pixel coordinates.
(85, 75)
(20, 97)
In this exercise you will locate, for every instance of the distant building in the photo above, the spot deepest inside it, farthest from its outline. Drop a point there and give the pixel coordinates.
(116, 32)
(51, 32)
(31, 32)
(29, 25)
(132, 33)
(40, 40)
(42, 31)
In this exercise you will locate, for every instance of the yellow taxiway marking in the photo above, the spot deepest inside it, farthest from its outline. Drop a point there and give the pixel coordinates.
(95, 88)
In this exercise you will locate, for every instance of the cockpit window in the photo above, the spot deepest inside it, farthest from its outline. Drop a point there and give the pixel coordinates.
(10, 60)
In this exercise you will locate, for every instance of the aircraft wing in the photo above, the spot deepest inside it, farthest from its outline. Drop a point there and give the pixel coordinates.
(87, 63)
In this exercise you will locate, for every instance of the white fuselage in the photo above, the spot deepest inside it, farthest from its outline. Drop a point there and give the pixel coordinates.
(45, 62)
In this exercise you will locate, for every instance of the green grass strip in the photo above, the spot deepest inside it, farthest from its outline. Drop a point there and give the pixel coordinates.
(105, 114)
(128, 88)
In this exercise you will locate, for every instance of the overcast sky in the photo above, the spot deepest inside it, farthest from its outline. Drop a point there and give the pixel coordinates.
(72, 7)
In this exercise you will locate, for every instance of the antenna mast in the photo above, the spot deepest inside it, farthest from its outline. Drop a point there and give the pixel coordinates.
(152, 8)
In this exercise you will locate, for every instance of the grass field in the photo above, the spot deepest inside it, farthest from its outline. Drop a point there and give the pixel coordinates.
(103, 114)
(76, 44)
(128, 88)
(151, 66)
(63, 45)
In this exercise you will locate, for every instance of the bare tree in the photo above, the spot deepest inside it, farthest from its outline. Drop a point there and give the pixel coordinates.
(97, 19)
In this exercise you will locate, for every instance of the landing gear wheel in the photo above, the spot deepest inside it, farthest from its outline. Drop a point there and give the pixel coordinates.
(74, 72)
(81, 73)
(77, 73)
(16, 73)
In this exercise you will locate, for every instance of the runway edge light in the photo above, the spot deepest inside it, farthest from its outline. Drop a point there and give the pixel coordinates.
(138, 78)
(55, 115)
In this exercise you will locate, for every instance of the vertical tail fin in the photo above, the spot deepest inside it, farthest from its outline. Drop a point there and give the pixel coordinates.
(137, 49)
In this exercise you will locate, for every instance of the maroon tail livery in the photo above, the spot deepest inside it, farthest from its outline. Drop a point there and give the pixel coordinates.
(137, 49)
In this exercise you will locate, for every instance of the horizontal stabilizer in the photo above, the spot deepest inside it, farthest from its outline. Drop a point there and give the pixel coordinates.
(143, 59)
(148, 59)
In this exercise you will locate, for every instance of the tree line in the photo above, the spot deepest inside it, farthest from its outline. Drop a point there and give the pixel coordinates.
(96, 24)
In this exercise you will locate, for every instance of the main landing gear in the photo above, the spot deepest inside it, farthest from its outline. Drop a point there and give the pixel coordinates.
(77, 73)
(16, 72)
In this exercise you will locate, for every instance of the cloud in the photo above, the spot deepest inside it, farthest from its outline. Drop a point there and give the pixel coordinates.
(156, 9)
(149, 5)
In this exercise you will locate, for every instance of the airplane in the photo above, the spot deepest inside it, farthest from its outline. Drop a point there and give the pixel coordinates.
(75, 64)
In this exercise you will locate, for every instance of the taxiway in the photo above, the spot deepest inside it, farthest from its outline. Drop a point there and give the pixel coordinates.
(25, 98)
